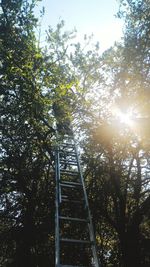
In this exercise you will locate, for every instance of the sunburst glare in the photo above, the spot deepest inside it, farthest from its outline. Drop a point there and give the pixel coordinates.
(123, 117)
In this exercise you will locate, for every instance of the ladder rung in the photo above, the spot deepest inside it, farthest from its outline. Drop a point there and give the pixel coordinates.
(75, 241)
(67, 150)
(68, 172)
(62, 265)
(72, 201)
(73, 219)
(69, 162)
(68, 153)
(68, 185)
(66, 198)
(67, 145)
(65, 183)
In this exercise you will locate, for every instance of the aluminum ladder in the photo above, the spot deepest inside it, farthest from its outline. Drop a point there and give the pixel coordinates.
(75, 244)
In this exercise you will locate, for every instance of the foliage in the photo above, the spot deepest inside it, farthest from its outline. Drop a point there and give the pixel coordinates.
(117, 154)
(26, 184)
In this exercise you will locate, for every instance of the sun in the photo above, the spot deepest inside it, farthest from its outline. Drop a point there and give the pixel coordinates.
(123, 117)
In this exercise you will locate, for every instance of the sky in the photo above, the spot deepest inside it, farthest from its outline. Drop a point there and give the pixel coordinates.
(87, 16)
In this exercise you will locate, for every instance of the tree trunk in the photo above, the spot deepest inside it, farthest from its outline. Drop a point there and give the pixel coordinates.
(131, 255)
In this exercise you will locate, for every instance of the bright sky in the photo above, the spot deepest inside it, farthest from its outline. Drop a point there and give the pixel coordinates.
(87, 16)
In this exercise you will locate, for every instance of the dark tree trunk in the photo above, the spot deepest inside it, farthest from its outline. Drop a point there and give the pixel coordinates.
(131, 254)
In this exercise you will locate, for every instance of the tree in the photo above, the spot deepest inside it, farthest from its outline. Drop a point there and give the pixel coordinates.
(117, 156)
(32, 80)
(27, 156)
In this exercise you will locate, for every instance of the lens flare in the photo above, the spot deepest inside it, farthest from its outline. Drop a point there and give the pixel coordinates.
(125, 118)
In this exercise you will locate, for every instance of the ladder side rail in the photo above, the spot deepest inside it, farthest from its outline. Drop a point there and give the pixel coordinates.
(90, 224)
(57, 237)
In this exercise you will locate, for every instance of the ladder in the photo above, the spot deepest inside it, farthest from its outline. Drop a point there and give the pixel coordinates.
(75, 244)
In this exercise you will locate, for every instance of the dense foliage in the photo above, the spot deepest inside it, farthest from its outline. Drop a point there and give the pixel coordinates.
(87, 87)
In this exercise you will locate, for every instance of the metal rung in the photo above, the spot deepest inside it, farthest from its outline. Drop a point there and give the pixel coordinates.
(75, 241)
(69, 163)
(69, 145)
(72, 201)
(68, 172)
(68, 185)
(66, 197)
(62, 265)
(65, 183)
(73, 219)
(68, 153)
